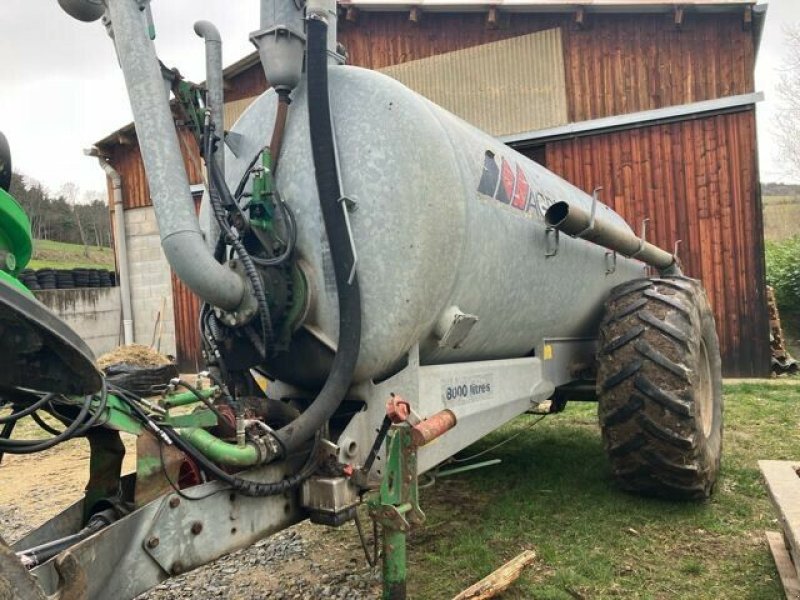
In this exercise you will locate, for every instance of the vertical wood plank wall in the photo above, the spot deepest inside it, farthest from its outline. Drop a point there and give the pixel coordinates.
(186, 309)
(618, 64)
(697, 182)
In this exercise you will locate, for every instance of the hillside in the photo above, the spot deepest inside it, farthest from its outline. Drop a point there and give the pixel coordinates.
(59, 255)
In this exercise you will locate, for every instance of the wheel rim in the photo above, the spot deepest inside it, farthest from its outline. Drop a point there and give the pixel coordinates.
(704, 391)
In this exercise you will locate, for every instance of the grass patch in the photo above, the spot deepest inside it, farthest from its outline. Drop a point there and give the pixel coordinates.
(58, 255)
(781, 216)
(553, 492)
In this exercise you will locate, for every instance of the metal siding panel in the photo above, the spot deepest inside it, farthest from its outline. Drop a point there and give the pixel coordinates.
(502, 87)
(709, 201)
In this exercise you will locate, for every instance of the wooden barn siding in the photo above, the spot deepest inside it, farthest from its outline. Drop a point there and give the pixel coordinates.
(618, 64)
(186, 310)
(127, 160)
(697, 182)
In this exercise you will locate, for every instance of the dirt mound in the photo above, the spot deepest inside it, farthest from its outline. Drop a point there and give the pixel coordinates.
(135, 355)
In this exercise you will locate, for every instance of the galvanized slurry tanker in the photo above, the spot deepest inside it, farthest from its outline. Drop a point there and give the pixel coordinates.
(400, 276)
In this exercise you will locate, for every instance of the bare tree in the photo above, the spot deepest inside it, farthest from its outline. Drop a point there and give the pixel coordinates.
(788, 122)
(70, 193)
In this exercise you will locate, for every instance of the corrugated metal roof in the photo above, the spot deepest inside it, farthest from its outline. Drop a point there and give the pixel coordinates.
(503, 87)
(543, 5)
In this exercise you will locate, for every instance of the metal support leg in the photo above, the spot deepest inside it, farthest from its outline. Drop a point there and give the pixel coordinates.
(396, 506)
(394, 564)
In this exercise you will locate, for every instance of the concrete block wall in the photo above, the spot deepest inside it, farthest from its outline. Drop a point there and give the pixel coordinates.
(151, 284)
(94, 314)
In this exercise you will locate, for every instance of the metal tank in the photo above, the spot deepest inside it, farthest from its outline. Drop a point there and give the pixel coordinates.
(453, 252)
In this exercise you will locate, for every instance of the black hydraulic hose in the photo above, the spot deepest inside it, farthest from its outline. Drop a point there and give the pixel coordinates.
(27, 410)
(31, 446)
(43, 424)
(220, 188)
(5, 434)
(340, 377)
(291, 231)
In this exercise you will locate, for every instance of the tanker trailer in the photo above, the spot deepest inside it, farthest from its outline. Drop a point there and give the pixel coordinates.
(399, 277)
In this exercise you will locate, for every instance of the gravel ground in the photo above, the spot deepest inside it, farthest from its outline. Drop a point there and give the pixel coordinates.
(279, 568)
(300, 563)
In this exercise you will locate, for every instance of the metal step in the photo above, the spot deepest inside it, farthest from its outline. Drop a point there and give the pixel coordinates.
(783, 483)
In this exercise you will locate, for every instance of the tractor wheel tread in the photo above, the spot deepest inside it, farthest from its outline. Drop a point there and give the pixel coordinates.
(647, 350)
(666, 399)
(620, 376)
(626, 310)
(657, 341)
(624, 413)
(626, 447)
(631, 287)
(665, 434)
(623, 339)
(671, 301)
(673, 332)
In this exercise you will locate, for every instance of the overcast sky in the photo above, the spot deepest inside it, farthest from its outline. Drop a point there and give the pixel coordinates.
(61, 89)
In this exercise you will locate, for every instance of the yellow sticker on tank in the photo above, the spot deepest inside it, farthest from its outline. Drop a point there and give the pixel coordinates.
(548, 352)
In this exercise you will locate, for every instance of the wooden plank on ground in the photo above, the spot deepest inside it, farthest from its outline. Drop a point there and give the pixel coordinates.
(786, 569)
(783, 484)
(498, 581)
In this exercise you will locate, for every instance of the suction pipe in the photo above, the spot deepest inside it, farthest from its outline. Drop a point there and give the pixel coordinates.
(181, 237)
(215, 100)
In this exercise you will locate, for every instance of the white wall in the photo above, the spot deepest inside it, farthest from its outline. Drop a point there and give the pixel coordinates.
(151, 286)
(94, 314)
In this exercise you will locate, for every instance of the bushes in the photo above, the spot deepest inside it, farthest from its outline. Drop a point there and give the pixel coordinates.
(783, 273)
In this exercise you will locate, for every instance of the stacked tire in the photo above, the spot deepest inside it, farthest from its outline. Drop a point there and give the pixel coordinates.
(67, 279)
(46, 279)
(64, 280)
(28, 279)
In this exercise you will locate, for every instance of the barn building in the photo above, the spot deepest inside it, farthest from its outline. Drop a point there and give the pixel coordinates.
(653, 102)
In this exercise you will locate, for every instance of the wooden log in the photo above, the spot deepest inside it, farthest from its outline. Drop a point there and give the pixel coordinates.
(498, 581)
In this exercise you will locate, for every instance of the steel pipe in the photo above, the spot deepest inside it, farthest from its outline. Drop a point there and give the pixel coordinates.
(181, 237)
(577, 222)
(215, 92)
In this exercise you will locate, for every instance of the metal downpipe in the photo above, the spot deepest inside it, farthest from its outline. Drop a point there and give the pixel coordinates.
(121, 243)
(181, 238)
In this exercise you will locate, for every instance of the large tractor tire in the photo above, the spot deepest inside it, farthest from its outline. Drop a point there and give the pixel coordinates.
(659, 388)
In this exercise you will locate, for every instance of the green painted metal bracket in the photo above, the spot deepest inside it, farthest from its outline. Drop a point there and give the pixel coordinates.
(118, 416)
(396, 507)
(198, 418)
(262, 206)
(189, 97)
(185, 398)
